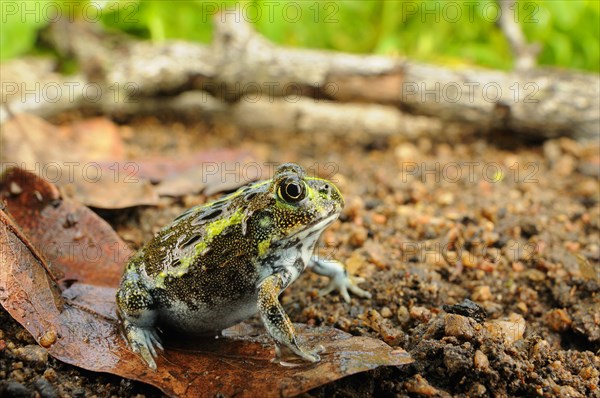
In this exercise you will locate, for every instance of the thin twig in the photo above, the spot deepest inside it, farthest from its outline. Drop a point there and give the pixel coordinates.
(525, 54)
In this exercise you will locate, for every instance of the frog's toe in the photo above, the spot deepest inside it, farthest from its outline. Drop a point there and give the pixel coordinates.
(330, 288)
(342, 289)
(155, 340)
(358, 291)
(296, 356)
(144, 342)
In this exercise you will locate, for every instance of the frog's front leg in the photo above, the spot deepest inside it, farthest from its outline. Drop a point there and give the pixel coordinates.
(338, 278)
(277, 322)
(135, 307)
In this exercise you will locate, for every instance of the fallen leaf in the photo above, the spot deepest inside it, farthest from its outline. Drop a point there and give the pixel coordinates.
(86, 160)
(76, 243)
(211, 171)
(34, 142)
(104, 192)
(78, 324)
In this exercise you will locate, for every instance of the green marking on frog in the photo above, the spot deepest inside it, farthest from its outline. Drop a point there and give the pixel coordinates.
(263, 247)
(213, 229)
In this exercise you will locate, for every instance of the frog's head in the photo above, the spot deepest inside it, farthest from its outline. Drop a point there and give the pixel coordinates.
(299, 206)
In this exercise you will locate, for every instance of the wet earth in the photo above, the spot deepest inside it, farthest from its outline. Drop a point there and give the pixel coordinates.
(482, 255)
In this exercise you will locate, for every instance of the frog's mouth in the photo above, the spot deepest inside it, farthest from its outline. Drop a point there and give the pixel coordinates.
(316, 228)
(307, 235)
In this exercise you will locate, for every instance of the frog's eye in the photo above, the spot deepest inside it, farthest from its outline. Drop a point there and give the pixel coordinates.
(292, 191)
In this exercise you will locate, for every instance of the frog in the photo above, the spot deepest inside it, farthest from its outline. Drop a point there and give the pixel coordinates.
(220, 263)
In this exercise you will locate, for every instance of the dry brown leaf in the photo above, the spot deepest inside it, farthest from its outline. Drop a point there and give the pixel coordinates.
(76, 243)
(30, 140)
(86, 161)
(78, 324)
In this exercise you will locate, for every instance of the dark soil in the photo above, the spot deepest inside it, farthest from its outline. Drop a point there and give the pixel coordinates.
(515, 230)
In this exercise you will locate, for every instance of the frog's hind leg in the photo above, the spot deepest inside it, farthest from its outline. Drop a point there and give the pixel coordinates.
(277, 322)
(135, 307)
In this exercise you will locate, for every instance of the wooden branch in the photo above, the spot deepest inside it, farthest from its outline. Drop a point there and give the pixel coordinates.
(242, 66)
(303, 115)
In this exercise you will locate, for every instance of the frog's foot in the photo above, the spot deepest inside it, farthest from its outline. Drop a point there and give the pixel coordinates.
(278, 324)
(143, 341)
(343, 284)
(135, 309)
(292, 356)
(339, 278)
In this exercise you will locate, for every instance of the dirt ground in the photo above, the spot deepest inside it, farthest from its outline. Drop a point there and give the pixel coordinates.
(509, 224)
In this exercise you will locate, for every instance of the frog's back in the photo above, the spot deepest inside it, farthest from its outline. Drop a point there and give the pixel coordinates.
(204, 237)
(185, 238)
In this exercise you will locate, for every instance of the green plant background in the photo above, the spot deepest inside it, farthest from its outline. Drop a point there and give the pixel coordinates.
(448, 32)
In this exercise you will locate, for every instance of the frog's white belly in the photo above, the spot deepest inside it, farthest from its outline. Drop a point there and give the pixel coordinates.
(207, 319)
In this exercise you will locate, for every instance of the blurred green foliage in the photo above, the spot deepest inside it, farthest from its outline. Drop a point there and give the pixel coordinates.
(18, 32)
(441, 31)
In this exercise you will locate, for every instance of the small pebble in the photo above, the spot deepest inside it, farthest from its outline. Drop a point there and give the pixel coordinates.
(445, 199)
(522, 307)
(468, 259)
(15, 389)
(558, 320)
(402, 315)
(480, 360)
(420, 386)
(535, 275)
(570, 146)
(588, 373)
(358, 236)
(45, 389)
(379, 218)
(386, 312)
(420, 313)
(32, 353)
(509, 330)
(588, 187)
(565, 165)
(482, 293)
(518, 266)
(407, 152)
(355, 263)
(459, 326)
(17, 375)
(50, 374)
(478, 390)
(552, 150)
(573, 247)
(541, 347)
(343, 323)
(354, 208)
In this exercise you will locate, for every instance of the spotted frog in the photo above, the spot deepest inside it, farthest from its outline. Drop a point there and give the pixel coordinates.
(220, 263)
